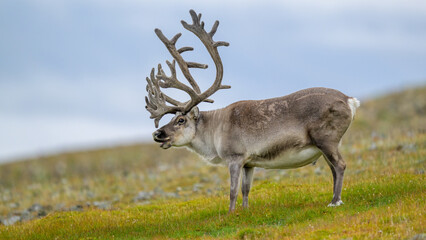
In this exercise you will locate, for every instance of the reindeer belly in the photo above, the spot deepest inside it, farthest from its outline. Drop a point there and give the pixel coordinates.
(288, 159)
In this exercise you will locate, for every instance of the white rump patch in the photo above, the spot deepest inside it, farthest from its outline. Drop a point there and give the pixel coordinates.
(353, 105)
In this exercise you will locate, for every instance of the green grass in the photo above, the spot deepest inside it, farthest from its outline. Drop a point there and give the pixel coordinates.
(384, 189)
(383, 206)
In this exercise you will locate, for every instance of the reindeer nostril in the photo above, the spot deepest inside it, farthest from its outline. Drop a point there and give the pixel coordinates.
(156, 134)
(159, 134)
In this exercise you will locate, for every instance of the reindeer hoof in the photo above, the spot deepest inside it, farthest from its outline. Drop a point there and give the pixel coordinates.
(338, 203)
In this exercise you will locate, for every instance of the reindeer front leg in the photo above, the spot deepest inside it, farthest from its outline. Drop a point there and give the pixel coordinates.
(234, 171)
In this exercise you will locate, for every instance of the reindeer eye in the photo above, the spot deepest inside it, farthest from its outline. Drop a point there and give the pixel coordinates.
(181, 120)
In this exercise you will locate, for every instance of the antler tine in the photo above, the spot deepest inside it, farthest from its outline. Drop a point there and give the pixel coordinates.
(184, 49)
(214, 28)
(175, 38)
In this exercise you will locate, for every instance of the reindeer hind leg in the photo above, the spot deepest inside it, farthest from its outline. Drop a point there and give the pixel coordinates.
(337, 166)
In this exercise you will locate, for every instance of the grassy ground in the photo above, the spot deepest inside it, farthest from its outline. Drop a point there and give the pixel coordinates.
(384, 189)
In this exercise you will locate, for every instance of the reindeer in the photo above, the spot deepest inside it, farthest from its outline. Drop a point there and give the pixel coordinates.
(278, 133)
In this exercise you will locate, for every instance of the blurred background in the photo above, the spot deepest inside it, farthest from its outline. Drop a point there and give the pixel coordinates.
(72, 89)
(72, 73)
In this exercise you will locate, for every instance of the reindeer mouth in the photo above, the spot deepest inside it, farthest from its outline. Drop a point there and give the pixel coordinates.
(166, 145)
(165, 142)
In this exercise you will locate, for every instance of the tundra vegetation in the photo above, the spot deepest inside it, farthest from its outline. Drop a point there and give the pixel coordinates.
(142, 191)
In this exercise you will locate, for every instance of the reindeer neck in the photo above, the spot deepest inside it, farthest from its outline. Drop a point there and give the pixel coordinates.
(204, 142)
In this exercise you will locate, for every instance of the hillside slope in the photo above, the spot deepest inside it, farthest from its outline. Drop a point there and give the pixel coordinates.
(405, 109)
(143, 191)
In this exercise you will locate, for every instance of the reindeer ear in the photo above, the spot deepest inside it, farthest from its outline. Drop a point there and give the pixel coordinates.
(194, 113)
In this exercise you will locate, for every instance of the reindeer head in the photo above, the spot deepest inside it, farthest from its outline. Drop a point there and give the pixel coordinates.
(181, 129)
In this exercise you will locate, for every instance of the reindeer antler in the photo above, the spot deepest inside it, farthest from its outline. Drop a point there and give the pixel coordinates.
(156, 102)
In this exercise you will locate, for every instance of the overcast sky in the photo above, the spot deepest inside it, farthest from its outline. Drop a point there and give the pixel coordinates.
(72, 73)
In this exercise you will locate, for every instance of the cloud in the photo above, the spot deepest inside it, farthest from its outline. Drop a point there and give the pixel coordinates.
(111, 98)
(388, 41)
(324, 7)
(38, 135)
